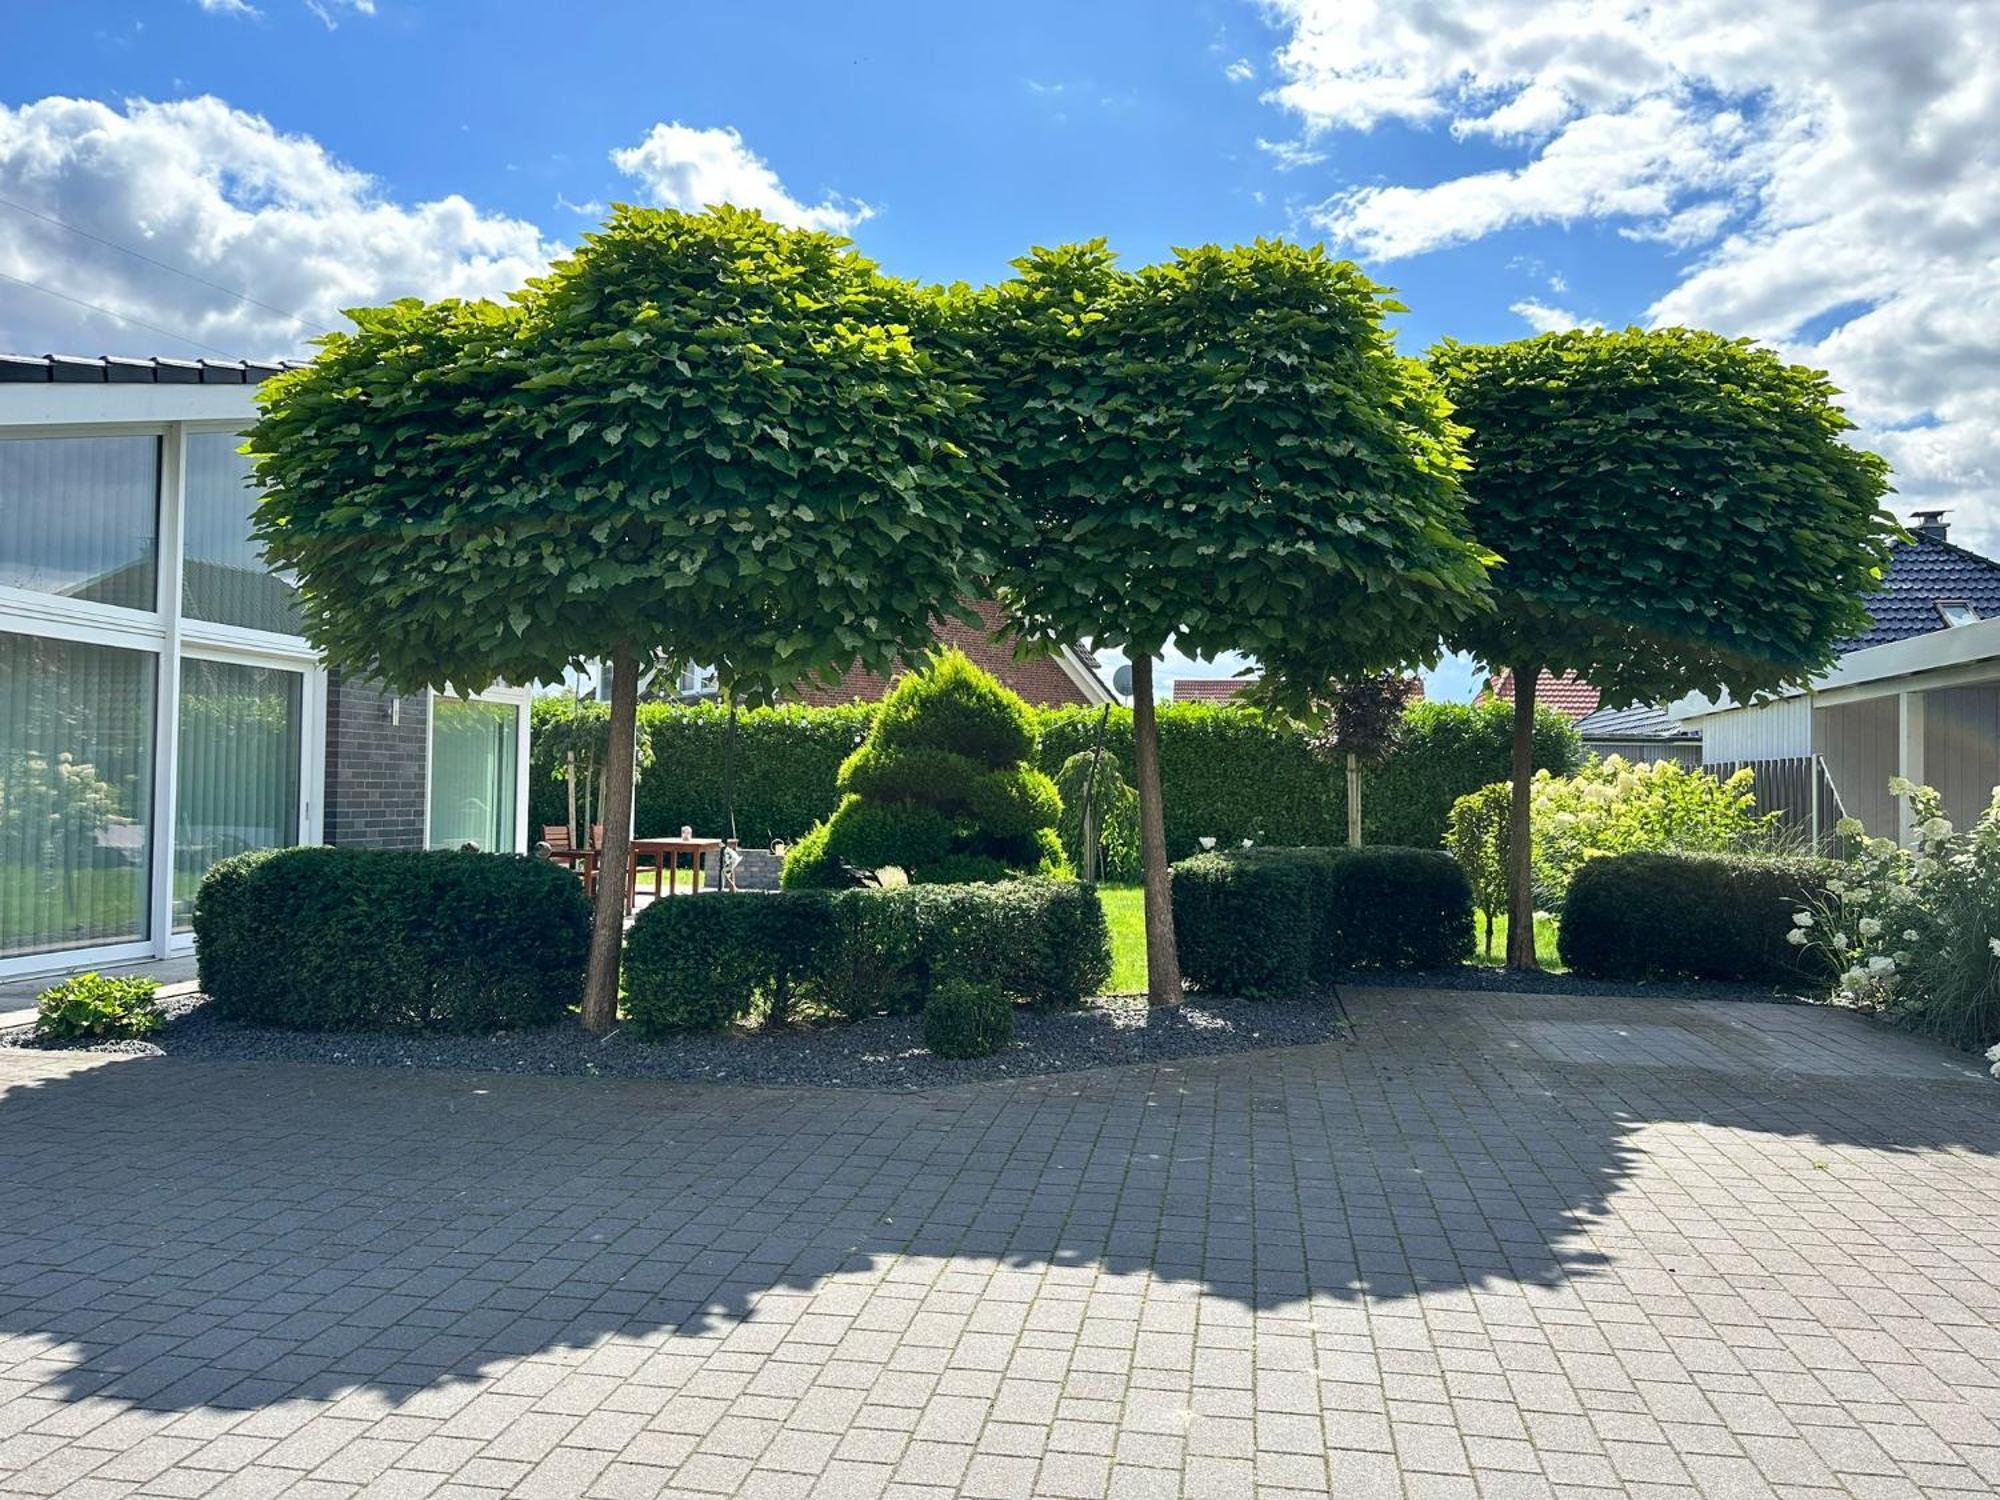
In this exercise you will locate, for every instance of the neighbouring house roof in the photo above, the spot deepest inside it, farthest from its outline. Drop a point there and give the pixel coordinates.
(1921, 573)
(80, 369)
(1211, 689)
(1569, 695)
(1641, 722)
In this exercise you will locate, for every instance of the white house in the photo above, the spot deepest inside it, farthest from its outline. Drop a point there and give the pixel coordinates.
(158, 706)
(1916, 695)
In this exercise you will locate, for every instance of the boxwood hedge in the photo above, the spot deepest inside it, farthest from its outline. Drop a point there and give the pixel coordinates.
(855, 952)
(390, 940)
(1690, 916)
(1271, 923)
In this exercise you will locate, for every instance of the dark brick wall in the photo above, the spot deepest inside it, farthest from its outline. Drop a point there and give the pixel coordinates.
(374, 768)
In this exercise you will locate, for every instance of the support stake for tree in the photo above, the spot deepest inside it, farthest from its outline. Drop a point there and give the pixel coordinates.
(1163, 963)
(1520, 845)
(607, 931)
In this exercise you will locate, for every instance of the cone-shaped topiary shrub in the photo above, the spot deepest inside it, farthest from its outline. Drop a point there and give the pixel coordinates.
(942, 789)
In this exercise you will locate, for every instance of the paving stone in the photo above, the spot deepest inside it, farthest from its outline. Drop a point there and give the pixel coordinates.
(1502, 1246)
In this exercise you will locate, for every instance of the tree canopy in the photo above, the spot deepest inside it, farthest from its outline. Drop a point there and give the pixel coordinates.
(702, 434)
(1676, 511)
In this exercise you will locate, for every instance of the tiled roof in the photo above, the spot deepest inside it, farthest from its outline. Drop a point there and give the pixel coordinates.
(74, 369)
(1639, 723)
(1569, 695)
(1210, 689)
(1921, 572)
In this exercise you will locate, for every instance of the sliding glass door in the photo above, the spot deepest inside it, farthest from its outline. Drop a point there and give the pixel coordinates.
(237, 786)
(475, 755)
(76, 794)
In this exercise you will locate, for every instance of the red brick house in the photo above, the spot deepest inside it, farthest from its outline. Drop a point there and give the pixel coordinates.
(1569, 695)
(1068, 676)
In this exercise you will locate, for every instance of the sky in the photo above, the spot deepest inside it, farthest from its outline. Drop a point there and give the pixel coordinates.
(222, 177)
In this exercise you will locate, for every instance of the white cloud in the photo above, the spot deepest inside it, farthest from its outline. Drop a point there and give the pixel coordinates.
(330, 12)
(1240, 71)
(226, 199)
(1816, 161)
(1289, 156)
(1543, 318)
(228, 7)
(688, 168)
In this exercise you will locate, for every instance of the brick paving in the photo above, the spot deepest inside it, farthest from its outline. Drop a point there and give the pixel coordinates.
(1498, 1246)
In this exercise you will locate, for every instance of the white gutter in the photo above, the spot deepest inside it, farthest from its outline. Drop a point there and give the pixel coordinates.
(1945, 657)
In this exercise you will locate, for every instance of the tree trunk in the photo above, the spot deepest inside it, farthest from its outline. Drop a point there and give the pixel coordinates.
(1353, 800)
(1520, 848)
(1163, 962)
(570, 777)
(607, 931)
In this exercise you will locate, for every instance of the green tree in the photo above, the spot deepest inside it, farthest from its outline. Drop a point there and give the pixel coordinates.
(941, 789)
(1678, 514)
(701, 437)
(1223, 449)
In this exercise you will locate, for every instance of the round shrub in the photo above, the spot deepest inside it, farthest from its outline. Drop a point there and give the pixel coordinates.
(938, 778)
(810, 865)
(870, 835)
(955, 706)
(965, 1018)
(1691, 916)
(706, 962)
(1019, 800)
(323, 939)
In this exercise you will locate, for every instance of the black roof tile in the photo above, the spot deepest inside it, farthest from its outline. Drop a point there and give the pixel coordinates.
(1922, 572)
(41, 369)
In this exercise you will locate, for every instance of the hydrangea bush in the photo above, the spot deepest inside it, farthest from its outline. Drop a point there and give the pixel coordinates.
(1613, 806)
(1915, 933)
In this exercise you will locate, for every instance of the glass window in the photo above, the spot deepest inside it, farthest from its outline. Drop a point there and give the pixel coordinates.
(474, 751)
(76, 794)
(81, 517)
(238, 776)
(223, 577)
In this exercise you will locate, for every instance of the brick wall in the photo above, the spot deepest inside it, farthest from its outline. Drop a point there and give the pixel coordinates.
(1039, 681)
(375, 772)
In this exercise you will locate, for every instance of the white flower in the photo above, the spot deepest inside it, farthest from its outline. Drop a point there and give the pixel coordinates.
(1881, 963)
(1909, 934)
(1993, 1053)
(1848, 828)
(1796, 937)
(1902, 786)
(1802, 919)
(1840, 940)
(1935, 828)
(1994, 945)
(1870, 927)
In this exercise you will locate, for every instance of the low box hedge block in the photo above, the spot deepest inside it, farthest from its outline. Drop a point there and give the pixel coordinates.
(1690, 916)
(1271, 923)
(322, 939)
(856, 952)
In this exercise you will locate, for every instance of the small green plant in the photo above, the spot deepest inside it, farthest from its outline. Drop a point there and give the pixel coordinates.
(1090, 782)
(1477, 839)
(966, 1018)
(100, 1006)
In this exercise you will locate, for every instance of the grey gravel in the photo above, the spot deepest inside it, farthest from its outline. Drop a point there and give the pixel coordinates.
(884, 1052)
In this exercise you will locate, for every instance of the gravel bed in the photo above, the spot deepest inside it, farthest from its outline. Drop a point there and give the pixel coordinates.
(1488, 978)
(881, 1053)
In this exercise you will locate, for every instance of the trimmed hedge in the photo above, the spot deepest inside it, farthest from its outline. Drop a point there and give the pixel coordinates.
(1271, 923)
(322, 939)
(1225, 772)
(855, 952)
(1690, 916)
(964, 1019)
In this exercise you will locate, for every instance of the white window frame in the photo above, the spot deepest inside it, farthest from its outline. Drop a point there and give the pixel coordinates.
(522, 701)
(163, 633)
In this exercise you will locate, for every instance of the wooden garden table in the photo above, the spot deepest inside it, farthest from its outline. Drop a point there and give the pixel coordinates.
(665, 857)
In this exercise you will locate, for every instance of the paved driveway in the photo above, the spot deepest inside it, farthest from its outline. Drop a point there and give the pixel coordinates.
(1499, 1246)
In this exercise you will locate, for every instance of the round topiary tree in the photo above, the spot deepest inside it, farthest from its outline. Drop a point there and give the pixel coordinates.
(941, 789)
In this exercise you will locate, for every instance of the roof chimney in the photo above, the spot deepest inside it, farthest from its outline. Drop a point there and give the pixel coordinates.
(1930, 525)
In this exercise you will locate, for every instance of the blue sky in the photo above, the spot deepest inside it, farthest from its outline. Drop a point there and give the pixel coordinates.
(1814, 173)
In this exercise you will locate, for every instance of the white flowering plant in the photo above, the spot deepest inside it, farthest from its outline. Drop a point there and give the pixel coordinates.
(1915, 933)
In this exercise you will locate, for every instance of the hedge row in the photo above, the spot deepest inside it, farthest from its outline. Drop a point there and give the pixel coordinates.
(1690, 916)
(1226, 772)
(1271, 923)
(708, 963)
(389, 940)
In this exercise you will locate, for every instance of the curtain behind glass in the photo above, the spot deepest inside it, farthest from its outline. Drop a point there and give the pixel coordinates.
(76, 794)
(473, 761)
(224, 577)
(80, 517)
(237, 784)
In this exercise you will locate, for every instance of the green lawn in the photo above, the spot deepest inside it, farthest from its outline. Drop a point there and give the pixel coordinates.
(1124, 915)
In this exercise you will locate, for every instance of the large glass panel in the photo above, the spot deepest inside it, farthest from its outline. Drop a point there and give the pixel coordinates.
(238, 776)
(474, 749)
(81, 517)
(223, 575)
(76, 794)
